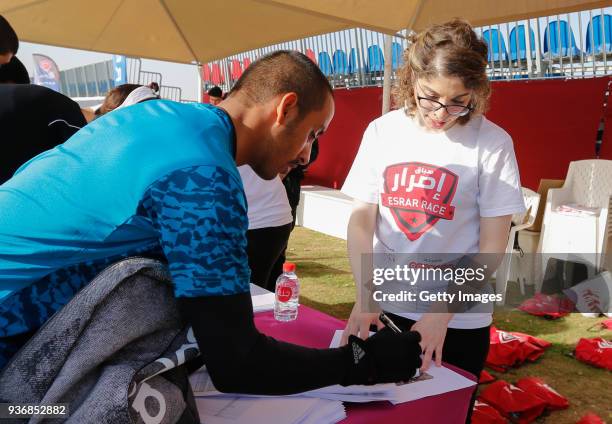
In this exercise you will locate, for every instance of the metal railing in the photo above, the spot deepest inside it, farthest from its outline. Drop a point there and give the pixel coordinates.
(97, 79)
(573, 45)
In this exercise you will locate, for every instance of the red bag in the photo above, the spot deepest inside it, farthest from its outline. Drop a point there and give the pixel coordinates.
(513, 402)
(485, 377)
(539, 388)
(485, 414)
(548, 306)
(509, 349)
(607, 324)
(595, 351)
(590, 418)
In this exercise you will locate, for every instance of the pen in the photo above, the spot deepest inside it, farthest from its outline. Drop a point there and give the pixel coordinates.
(388, 323)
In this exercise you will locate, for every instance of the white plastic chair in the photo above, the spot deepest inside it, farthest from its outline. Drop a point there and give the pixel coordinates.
(511, 264)
(605, 262)
(577, 238)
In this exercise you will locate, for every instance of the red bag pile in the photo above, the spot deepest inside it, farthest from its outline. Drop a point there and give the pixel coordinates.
(513, 402)
(484, 413)
(596, 351)
(536, 386)
(590, 418)
(485, 377)
(548, 306)
(509, 349)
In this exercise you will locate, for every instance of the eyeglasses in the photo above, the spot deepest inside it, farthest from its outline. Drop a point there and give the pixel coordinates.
(432, 105)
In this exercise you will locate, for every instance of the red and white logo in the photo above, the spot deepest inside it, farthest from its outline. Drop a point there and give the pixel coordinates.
(419, 195)
(604, 344)
(507, 337)
(284, 293)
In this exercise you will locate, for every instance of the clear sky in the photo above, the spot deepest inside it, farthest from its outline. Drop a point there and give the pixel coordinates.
(174, 74)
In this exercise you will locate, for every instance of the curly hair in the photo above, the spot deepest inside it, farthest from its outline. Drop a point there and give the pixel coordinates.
(451, 49)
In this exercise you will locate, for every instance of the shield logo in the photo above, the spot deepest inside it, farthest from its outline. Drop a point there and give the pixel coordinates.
(507, 337)
(418, 195)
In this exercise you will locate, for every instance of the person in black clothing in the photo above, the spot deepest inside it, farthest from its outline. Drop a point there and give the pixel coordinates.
(293, 180)
(9, 43)
(12, 70)
(33, 119)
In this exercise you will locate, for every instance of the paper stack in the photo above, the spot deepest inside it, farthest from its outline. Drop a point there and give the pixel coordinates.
(265, 410)
(263, 300)
(218, 408)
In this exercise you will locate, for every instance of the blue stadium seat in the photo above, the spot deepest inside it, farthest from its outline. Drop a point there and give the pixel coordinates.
(596, 36)
(353, 65)
(340, 62)
(495, 42)
(397, 52)
(520, 52)
(560, 32)
(325, 64)
(376, 60)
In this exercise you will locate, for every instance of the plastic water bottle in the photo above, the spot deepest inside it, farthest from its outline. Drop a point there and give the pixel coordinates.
(287, 294)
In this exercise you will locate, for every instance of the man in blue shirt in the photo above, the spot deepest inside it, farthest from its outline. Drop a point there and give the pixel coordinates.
(160, 179)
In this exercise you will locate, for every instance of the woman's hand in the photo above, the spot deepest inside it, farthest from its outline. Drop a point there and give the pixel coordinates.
(359, 324)
(432, 328)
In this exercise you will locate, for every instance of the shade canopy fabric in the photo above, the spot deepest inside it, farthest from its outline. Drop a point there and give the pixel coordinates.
(204, 30)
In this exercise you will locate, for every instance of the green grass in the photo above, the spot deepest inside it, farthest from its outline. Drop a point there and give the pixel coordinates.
(327, 285)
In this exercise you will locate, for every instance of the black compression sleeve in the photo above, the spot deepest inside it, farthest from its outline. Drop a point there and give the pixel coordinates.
(242, 360)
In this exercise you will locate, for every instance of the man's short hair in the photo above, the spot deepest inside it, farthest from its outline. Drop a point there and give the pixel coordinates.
(215, 92)
(282, 72)
(14, 73)
(9, 43)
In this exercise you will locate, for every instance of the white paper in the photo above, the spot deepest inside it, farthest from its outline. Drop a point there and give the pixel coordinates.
(278, 410)
(263, 300)
(201, 383)
(325, 411)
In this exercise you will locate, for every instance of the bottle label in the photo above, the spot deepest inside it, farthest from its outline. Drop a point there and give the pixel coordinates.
(283, 293)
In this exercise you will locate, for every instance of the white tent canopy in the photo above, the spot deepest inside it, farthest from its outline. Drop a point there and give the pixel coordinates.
(200, 31)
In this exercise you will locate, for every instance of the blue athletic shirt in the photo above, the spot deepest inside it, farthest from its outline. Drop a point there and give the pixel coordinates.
(158, 176)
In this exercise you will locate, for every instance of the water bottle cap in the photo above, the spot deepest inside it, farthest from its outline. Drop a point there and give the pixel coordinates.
(288, 267)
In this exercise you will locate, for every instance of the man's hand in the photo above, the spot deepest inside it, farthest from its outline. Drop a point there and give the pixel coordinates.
(386, 357)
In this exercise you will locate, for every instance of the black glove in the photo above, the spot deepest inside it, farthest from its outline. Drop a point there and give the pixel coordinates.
(385, 357)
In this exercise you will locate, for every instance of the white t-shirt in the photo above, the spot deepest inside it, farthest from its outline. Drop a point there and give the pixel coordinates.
(267, 201)
(431, 190)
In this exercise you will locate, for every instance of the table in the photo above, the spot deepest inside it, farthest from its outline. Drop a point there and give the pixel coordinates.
(315, 329)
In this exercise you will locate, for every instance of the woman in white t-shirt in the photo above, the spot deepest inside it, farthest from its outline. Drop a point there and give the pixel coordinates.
(434, 178)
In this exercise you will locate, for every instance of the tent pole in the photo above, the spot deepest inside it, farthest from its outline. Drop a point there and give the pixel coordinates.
(199, 82)
(386, 103)
(389, 56)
